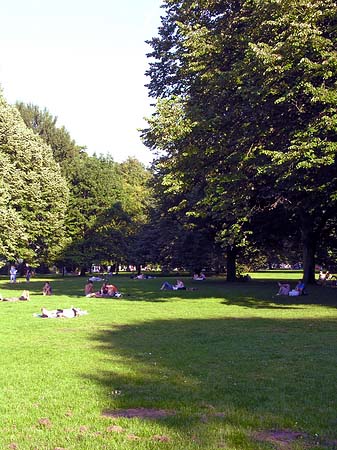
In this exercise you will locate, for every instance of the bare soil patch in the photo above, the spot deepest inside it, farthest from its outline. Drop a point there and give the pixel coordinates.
(281, 439)
(141, 413)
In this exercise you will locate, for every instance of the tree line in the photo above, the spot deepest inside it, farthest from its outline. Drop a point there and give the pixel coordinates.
(244, 142)
(58, 204)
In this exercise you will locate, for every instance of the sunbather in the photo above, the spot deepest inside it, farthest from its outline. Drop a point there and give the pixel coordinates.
(166, 286)
(59, 313)
(23, 297)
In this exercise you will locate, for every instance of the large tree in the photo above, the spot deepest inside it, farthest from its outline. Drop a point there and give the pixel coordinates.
(44, 124)
(248, 113)
(34, 195)
(13, 238)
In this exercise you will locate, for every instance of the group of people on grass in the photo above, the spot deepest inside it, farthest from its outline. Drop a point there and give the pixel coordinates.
(106, 291)
(285, 289)
(109, 290)
(25, 296)
(326, 279)
(13, 272)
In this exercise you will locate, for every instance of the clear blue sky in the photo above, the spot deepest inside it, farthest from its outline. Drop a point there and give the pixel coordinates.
(84, 61)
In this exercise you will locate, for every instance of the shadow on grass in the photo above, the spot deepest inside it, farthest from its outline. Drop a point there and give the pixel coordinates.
(247, 372)
(257, 295)
(262, 295)
(252, 302)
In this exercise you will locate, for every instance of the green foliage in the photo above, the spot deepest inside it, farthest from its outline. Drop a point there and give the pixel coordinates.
(44, 124)
(12, 232)
(108, 201)
(34, 194)
(248, 116)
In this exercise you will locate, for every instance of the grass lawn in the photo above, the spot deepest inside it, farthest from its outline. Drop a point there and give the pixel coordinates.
(233, 366)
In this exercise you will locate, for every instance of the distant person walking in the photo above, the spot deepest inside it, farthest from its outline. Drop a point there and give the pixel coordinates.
(12, 274)
(28, 273)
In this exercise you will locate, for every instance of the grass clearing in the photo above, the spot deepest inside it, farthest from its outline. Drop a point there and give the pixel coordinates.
(228, 361)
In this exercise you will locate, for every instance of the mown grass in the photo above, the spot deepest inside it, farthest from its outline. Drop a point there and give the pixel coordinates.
(228, 359)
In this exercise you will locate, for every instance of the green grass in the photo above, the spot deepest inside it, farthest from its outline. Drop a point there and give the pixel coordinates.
(228, 359)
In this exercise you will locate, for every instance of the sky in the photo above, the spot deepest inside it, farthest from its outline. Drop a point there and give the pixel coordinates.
(85, 62)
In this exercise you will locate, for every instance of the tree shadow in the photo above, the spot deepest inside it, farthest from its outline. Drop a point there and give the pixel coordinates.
(242, 371)
(263, 295)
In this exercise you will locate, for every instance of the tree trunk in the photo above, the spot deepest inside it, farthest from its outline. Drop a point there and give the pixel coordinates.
(83, 271)
(309, 241)
(231, 262)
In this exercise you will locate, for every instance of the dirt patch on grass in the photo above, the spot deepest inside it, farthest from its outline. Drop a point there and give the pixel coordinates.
(140, 413)
(281, 439)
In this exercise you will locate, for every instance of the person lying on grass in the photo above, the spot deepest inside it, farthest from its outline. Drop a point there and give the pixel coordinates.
(23, 297)
(141, 276)
(166, 286)
(61, 313)
(179, 286)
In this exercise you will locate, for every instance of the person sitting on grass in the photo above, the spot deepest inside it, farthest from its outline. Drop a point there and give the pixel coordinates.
(199, 276)
(299, 289)
(112, 290)
(284, 289)
(109, 290)
(89, 289)
(47, 290)
(327, 279)
(106, 291)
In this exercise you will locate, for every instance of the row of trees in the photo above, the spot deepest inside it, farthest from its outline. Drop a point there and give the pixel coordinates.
(104, 212)
(245, 141)
(245, 125)
(59, 205)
